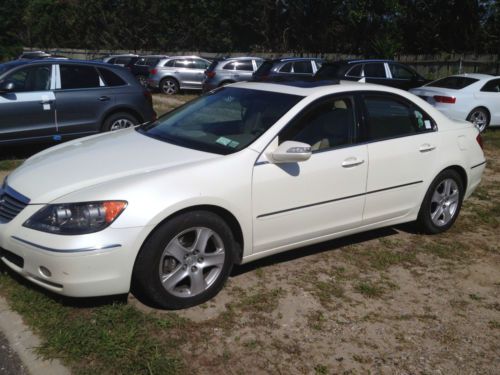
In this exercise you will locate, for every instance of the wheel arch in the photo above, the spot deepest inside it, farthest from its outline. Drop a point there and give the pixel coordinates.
(461, 172)
(226, 215)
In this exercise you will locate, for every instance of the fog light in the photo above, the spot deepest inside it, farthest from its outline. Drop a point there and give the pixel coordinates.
(45, 271)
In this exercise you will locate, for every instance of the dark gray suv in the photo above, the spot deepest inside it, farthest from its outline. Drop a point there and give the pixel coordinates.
(55, 100)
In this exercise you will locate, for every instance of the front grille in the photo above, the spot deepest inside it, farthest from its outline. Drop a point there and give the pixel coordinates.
(11, 203)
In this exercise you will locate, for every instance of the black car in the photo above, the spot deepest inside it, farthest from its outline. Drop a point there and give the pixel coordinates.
(287, 69)
(141, 67)
(56, 100)
(384, 72)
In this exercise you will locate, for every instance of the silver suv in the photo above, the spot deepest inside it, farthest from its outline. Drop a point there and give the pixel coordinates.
(178, 73)
(230, 70)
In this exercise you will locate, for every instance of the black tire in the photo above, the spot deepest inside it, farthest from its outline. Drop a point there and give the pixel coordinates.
(119, 120)
(430, 220)
(152, 261)
(143, 80)
(480, 117)
(169, 86)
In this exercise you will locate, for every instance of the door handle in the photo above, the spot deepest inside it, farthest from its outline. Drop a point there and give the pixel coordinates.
(104, 98)
(351, 162)
(46, 101)
(426, 147)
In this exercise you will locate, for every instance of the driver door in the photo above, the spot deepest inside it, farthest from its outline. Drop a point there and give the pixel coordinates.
(28, 111)
(296, 202)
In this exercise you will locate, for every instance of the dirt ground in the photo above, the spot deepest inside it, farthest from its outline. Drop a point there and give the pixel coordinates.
(390, 301)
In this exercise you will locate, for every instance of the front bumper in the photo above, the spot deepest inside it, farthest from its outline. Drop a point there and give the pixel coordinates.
(91, 265)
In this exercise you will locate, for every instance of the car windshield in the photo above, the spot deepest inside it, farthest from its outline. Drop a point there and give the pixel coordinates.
(224, 121)
(455, 83)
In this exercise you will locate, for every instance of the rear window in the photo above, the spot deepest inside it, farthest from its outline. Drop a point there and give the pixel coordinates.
(110, 78)
(264, 69)
(374, 70)
(213, 65)
(79, 77)
(455, 83)
(302, 67)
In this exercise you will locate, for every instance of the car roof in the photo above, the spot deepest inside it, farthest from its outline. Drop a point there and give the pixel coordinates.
(155, 56)
(15, 63)
(242, 58)
(283, 59)
(479, 76)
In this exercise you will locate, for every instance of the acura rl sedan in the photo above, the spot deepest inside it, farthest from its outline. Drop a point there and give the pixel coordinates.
(247, 171)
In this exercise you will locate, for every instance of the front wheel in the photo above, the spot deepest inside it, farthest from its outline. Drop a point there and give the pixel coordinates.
(480, 118)
(186, 261)
(169, 86)
(442, 203)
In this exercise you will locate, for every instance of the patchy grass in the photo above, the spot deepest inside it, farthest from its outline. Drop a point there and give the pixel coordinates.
(369, 289)
(7, 165)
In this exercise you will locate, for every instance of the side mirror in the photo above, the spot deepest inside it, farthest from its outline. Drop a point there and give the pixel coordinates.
(6, 87)
(291, 152)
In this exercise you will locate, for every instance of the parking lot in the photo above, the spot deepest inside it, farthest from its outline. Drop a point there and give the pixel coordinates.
(386, 301)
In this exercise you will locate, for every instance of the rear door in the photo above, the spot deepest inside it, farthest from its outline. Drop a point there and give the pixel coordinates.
(82, 98)
(27, 113)
(490, 97)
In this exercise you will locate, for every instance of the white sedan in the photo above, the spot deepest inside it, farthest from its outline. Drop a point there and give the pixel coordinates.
(472, 97)
(244, 172)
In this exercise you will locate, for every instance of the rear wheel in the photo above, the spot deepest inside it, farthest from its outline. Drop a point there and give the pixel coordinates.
(442, 203)
(120, 120)
(169, 86)
(186, 261)
(143, 80)
(480, 118)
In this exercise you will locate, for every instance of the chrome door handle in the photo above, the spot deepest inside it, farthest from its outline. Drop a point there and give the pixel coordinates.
(104, 98)
(46, 101)
(426, 148)
(351, 162)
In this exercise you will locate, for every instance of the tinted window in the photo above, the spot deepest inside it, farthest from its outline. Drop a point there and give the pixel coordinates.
(122, 60)
(374, 70)
(32, 78)
(147, 61)
(264, 69)
(110, 78)
(224, 121)
(401, 72)
(78, 77)
(184, 64)
(328, 71)
(388, 117)
(229, 66)
(287, 68)
(329, 124)
(199, 64)
(455, 83)
(170, 63)
(302, 67)
(492, 86)
(355, 71)
(244, 65)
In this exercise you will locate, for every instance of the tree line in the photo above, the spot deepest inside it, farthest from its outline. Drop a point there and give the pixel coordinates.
(373, 28)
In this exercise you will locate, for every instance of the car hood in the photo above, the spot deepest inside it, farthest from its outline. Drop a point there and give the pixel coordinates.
(89, 161)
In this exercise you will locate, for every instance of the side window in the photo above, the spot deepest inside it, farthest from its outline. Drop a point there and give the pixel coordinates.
(355, 71)
(199, 64)
(492, 86)
(142, 61)
(122, 60)
(389, 117)
(400, 72)
(170, 63)
(32, 78)
(302, 67)
(287, 68)
(152, 61)
(110, 78)
(244, 65)
(183, 64)
(78, 77)
(112, 60)
(374, 70)
(229, 66)
(327, 125)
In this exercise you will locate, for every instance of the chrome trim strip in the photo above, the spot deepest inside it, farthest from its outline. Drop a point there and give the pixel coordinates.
(82, 250)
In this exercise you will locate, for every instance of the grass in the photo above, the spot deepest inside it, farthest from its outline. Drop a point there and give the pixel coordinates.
(7, 165)
(369, 289)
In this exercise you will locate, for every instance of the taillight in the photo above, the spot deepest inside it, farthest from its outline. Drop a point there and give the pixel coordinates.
(210, 73)
(479, 140)
(445, 99)
(148, 96)
(153, 71)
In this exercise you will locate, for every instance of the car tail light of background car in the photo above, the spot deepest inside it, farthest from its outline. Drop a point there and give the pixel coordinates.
(445, 99)
(153, 71)
(479, 140)
(210, 74)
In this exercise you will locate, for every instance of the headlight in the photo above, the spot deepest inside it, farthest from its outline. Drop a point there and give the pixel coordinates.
(76, 218)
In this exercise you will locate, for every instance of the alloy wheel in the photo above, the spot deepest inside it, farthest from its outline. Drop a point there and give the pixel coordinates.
(121, 123)
(444, 202)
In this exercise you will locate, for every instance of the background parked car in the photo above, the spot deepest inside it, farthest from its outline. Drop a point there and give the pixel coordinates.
(34, 55)
(230, 70)
(383, 72)
(121, 60)
(471, 97)
(178, 73)
(89, 96)
(284, 69)
(140, 69)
